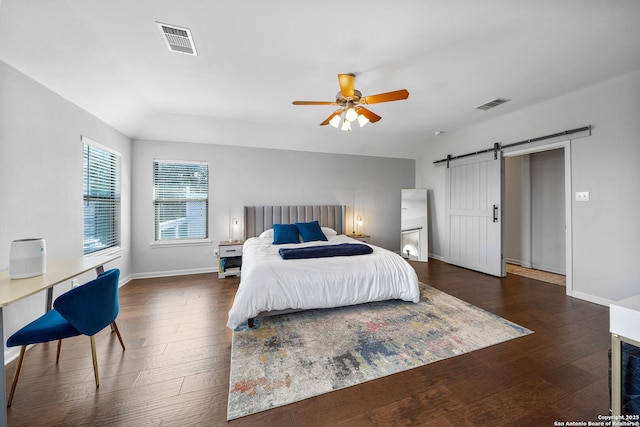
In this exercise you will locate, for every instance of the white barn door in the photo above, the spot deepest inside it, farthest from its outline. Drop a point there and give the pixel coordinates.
(474, 213)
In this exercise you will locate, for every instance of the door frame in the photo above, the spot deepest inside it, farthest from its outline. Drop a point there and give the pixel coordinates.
(566, 146)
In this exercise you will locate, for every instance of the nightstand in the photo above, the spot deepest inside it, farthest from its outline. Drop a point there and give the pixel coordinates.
(362, 237)
(229, 258)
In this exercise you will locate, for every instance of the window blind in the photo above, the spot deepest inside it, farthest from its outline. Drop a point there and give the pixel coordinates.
(101, 193)
(181, 200)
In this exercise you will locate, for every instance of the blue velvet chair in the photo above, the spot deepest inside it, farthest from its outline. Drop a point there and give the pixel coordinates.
(84, 310)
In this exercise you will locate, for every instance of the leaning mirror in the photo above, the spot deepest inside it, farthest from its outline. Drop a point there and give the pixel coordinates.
(413, 218)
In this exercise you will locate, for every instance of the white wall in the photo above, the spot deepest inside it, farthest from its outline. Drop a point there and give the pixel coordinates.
(241, 176)
(606, 229)
(517, 211)
(548, 247)
(41, 179)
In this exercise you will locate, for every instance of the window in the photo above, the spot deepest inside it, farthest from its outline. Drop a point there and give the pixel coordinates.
(180, 199)
(101, 193)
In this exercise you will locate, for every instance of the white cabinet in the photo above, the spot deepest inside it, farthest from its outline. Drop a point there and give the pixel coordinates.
(362, 237)
(624, 317)
(229, 259)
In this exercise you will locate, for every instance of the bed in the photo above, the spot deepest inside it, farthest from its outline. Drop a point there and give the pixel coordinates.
(271, 285)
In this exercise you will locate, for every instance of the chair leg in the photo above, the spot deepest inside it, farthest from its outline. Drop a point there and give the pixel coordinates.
(58, 352)
(95, 359)
(16, 375)
(115, 329)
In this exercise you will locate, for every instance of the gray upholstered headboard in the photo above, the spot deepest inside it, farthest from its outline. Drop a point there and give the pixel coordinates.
(260, 218)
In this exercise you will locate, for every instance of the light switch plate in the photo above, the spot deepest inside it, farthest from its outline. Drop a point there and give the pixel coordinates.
(582, 196)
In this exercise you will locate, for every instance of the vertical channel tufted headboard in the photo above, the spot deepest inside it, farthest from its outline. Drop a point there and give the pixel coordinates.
(260, 218)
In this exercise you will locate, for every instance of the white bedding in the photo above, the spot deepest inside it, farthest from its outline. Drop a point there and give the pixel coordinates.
(270, 283)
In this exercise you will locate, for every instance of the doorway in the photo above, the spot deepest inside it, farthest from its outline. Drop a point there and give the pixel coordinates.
(538, 222)
(474, 196)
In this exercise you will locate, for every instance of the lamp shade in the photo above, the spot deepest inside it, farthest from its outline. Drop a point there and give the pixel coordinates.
(351, 114)
(233, 227)
(362, 120)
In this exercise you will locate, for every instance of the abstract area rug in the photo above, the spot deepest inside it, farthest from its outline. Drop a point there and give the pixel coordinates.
(292, 357)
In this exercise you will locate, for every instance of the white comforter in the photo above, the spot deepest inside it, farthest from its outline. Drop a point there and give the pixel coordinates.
(270, 283)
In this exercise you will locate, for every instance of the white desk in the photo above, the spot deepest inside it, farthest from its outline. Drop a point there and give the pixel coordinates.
(624, 325)
(13, 290)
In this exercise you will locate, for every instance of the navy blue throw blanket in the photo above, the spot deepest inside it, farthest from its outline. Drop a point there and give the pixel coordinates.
(342, 249)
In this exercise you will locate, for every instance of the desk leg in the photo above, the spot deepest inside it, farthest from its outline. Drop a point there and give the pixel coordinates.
(3, 384)
(616, 375)
(49, 299)
(49, 302)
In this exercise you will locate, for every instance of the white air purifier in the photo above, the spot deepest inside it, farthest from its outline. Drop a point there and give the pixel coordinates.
(28, 258)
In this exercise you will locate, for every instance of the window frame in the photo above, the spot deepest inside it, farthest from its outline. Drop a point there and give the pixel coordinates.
(206, 240)
(117, 217)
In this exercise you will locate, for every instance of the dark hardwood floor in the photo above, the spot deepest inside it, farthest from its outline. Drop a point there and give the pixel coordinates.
(175, 371)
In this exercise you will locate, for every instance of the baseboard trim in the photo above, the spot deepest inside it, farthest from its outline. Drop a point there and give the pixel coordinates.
(438, 257)
(549, 269)
(125, 280)
(151, 275)
(591, 298)
(519, 262)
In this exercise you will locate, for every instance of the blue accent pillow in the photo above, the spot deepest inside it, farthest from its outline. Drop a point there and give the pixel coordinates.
(311, 231)
(285, 233)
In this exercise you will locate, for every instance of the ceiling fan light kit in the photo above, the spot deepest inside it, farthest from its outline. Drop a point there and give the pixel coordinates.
(350, 113)
(351, 104)
(335, 121)
(362, 120)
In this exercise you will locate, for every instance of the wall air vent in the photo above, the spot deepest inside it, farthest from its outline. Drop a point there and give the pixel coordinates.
(491, 104)
(178, 39)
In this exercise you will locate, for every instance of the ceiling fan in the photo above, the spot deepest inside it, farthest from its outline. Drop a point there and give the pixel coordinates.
(351, 104)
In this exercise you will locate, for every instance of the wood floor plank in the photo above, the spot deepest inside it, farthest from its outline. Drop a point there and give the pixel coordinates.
(175, 371)
(418, 408)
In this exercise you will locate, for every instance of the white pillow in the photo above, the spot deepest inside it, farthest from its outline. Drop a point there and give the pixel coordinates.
(329, 231)
(266, 234)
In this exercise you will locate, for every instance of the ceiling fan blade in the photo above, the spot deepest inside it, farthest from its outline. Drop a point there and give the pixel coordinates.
(314, 103)
(335, 113)
(347, 82)
(396, 95)
(373, 117)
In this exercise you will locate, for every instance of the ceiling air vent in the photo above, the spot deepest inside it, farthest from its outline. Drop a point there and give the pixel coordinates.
(178, 39)
(491, 104)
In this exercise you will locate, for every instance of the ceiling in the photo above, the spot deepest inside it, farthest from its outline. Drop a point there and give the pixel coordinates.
(255, 57)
